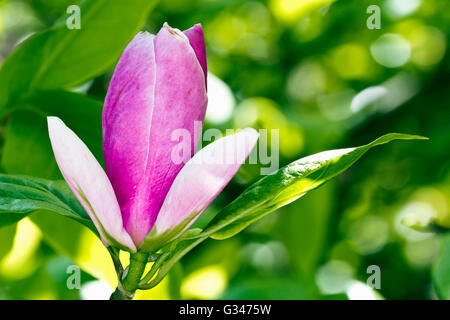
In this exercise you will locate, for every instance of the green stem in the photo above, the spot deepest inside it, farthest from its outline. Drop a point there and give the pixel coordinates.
(154, 269)
(132, 276)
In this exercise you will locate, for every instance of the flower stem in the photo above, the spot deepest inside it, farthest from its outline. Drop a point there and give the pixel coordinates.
(132, 276)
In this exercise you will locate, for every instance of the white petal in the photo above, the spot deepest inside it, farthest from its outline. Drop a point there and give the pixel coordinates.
(89, 183)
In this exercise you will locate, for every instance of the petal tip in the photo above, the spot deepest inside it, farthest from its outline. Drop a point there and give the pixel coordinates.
(51, 120)
(198, 27)
(173, 31)
(54, 124)
(141, 38)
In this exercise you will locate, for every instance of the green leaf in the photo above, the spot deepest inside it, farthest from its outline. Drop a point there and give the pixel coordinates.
(286, 185)
(441, 270)
(63, 58)
(83, 114)
(27, 149)
(21, 195)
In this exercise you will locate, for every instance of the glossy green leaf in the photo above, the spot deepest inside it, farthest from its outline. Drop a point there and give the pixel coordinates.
(288, 184)
(21, 195)
(61, 57)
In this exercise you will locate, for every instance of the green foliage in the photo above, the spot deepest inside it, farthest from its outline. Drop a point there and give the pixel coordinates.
(80, 112)
(27, 148)
(299, 67)
(21, 195)
(63, 58)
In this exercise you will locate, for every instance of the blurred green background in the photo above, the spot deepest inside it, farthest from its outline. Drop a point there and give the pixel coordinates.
(314, 70)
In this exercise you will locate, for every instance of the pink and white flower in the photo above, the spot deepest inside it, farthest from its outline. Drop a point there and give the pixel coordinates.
(145, 199)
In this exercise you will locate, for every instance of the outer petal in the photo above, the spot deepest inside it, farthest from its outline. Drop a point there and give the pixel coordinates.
(158, 87)
(89, 183)
(198, 184)
(197, 41)
(127, 116)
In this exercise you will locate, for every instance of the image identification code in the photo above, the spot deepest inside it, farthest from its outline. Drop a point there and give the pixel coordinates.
(228, 309)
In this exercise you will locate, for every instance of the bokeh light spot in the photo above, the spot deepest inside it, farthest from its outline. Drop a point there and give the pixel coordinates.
(20, 261)
(369, 234)
(205, 283)
(360, 291)
(401, 8)
(391, 50)
(292, 10)
(306, 81)
(428, 46)
(334, 277)
(351, 61)
(95, 290)
(220, 100)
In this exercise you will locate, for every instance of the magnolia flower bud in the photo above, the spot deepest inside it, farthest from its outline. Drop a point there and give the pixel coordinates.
(146, 199)
(159, 85)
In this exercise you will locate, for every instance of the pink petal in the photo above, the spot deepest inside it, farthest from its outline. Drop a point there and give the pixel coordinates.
(157, 87)
(89, 183)
(127, 116)
(198, 184)
(197, 41)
